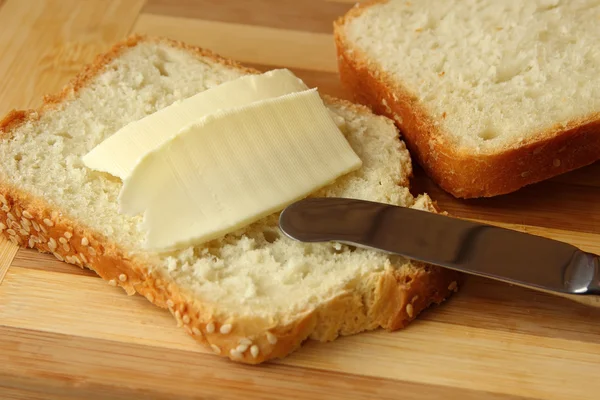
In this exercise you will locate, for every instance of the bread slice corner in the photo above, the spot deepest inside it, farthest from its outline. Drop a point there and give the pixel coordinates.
(489, 96)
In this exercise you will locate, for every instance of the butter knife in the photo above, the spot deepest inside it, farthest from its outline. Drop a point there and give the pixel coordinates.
(506, 255)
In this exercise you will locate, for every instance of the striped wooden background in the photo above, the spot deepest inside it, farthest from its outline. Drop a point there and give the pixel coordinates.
(64, 333)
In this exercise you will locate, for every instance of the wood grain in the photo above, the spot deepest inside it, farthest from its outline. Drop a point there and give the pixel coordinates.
(8, 251)
(282, 14)
(67, 334)
(248, 44)
(43, 43)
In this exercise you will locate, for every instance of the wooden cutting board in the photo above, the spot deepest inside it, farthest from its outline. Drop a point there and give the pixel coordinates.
(65, 333)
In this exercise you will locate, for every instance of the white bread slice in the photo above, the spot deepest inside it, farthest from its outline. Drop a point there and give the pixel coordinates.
(252, 295)
(489, 95)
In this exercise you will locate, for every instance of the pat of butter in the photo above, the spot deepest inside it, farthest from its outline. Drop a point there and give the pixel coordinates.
(235, 166)
(119, 154)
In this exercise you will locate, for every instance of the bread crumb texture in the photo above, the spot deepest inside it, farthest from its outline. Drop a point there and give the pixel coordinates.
(491, 73)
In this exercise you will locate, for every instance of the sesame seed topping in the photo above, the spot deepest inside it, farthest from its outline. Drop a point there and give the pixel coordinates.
(187, 329)
(177, 314)
(245, 341)
(25, 222)
(54, 214)
(43, 228)
(84, 241)
(48, 222)
(150, 297)
(122, 277)
(69, 259)
(5, 208)
(225, 329)
(76, 260)
(52, 244)
(13, 225)
(62, 240)
(11, 232)
(414, 299)
(10, 216)
(83, 258)
(409, 310)
(31, 242)
(242, 348)
(210, 327)
(170, 303)
(196, 331)
(23, 232)
(254, 351)
(112, 282)
(92, 251)
(3, 199)
(14, 239)
(68, 235)
(235, 354)
(453, 285)
(27, 214)
(58, 256)
(66, 247)
(186, 319)
(35, 226)
(271, 338)
(18, 212)
(215, 348)
(2, 227)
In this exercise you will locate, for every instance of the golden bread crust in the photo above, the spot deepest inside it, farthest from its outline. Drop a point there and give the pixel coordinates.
(30, 221)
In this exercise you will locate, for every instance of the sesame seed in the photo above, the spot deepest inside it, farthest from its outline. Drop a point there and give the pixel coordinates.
(52, 244)
(414, 299)
(32, 242)
(69, 259)
(242, 348)
(83, 258)
(68, 235)
(150, 297)
(66, 247)
(10, 216)
(225, 329)
(177, 314)
(271, 338)
(35, 226)
(84, 241)
(13, 224)
(170, 303)
(254, 351)
(11, 232)
(122, 277)
(187, 329)
(92, 251)
(2, 227)
(25, 222)
(112, 282)
(54, 214)
(453, 286)
(58, 256)
(215, 348)
(409, 310)
(245, 341)
(3, 199)
(235, 354)
(18, 212)
(23, 232)
(14, 239)
(196, 331)
(5, 208)
(43, 228)
(210, 327)
(186, 319)
(48, 222)
(27, 214)
(76, 260)
(62, 240)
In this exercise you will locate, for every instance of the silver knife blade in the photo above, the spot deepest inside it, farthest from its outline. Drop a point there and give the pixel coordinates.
(462, 245)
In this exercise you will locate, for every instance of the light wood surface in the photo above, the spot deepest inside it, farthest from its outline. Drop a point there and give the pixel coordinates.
(64, 333)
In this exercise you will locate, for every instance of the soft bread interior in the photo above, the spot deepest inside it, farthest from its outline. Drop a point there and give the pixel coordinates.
(254, 271)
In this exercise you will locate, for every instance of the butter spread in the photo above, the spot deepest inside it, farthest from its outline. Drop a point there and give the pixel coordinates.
(118, 154)
(232, 167)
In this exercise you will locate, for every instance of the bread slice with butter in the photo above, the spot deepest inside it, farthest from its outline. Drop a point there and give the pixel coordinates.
(251, 295)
